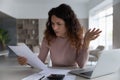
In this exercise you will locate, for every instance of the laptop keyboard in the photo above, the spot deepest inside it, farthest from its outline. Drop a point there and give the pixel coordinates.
(89, 73)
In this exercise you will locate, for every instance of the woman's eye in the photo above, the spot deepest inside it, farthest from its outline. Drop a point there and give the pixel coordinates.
(59, 24)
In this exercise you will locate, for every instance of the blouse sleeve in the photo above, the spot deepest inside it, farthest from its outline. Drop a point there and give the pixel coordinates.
(82, 57)
(43, 50)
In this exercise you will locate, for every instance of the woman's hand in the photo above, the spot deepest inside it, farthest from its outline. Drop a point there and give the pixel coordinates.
(22, 60)
(92, 34)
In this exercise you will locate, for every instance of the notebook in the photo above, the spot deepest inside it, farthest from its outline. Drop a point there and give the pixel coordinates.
(109, 62)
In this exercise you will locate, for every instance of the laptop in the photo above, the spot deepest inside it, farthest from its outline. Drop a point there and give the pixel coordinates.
(109, 62)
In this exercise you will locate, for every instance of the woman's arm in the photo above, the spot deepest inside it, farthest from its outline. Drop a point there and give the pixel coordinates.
(43, 50)
(83, 53)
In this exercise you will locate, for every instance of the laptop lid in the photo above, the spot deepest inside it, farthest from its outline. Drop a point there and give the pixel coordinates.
(108, 63)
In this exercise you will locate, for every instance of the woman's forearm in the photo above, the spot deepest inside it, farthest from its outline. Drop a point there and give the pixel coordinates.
(83, 54)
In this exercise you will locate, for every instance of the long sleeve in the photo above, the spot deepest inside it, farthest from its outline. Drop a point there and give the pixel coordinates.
(82, 57)
(83, 54)
(43, 50)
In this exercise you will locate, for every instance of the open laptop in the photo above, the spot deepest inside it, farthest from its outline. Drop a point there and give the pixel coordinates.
(109, 62)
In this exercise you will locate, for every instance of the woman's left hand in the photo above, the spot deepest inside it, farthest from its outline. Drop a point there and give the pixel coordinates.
(92, 34)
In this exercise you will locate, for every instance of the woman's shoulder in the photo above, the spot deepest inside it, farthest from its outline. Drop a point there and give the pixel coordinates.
(44, 41)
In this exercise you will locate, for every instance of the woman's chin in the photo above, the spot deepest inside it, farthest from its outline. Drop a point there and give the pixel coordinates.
(58, 35)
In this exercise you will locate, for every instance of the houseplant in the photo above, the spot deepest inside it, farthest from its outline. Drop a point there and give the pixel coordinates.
(4, 38)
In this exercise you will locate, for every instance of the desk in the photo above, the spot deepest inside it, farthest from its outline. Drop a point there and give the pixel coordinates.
(18, 72)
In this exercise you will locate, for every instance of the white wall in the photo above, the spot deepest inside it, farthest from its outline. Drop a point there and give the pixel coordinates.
(39, 8)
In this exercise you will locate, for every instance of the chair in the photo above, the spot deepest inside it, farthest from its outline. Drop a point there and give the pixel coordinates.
(94, 54)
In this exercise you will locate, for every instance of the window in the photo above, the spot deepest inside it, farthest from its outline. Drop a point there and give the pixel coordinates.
(104, 21)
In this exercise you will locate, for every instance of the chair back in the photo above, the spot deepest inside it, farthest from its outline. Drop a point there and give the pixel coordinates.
(100, 47)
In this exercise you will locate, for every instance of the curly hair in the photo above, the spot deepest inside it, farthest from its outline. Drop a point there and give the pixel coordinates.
(73, 27)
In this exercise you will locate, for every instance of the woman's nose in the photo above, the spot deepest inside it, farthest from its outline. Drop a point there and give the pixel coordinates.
(55, 27)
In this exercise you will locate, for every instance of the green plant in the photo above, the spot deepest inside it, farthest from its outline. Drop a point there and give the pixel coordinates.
(4, 38)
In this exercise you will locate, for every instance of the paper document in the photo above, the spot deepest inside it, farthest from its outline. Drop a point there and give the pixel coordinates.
(32, 59)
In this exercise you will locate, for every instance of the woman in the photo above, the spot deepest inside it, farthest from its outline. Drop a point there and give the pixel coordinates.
(65, 39)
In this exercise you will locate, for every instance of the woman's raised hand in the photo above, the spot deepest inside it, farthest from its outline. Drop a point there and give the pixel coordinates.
(92, 34)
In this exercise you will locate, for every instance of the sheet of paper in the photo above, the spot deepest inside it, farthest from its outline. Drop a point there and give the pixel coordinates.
(32, 59)
(37, 76)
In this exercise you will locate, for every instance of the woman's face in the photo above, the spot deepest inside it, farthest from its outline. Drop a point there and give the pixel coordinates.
(58, 26)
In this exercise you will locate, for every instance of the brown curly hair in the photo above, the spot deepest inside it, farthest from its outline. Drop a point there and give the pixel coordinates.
(74, 29)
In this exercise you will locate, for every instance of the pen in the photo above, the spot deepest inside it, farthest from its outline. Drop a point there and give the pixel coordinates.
(41, 77)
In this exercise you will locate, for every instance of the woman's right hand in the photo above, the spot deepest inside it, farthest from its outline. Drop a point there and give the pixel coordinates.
(22, 60)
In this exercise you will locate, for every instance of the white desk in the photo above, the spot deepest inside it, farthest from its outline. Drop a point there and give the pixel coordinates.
(18, 72)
